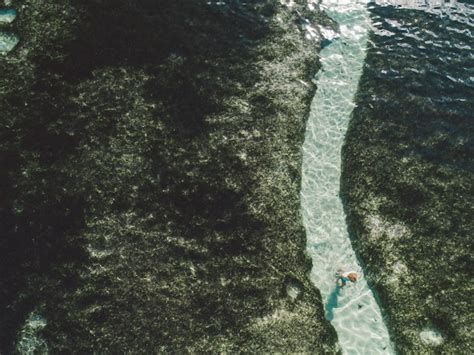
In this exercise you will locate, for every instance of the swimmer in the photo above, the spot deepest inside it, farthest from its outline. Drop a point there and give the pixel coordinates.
(345, 276)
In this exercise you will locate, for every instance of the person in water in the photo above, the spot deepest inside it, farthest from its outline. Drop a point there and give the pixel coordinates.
(343, 277)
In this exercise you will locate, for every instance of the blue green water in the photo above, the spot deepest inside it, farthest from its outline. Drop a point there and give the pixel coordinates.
(419, 72)
(7, 15)
(352, 310)
(8, 40)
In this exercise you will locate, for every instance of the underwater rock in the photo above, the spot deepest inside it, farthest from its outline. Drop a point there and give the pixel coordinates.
(294, 289)
(150, 181)
(431, 337)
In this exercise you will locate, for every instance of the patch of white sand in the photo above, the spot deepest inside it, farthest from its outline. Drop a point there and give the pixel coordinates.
(353, 309)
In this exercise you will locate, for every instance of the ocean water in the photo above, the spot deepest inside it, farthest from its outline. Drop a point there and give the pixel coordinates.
(352, 310)
(7, 15)
(8, 40)
(30, 342)
(419, 76)
(406, 66)
(414, 124)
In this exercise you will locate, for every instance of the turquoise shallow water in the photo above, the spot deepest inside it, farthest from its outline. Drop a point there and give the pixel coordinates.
(353, 309)
(7, 15)
(8, 41)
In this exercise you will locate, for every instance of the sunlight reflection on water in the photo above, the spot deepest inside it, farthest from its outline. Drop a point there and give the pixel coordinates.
(352, 310)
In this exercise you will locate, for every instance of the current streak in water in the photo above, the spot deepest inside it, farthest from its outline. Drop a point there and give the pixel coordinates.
(352, 310)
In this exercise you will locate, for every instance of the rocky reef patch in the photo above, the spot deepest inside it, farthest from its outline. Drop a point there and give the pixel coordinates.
(150, 178)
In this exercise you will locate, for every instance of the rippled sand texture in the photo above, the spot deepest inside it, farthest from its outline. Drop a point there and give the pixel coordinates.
(352, 310)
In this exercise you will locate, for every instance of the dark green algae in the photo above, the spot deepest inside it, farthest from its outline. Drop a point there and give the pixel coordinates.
(150, 178)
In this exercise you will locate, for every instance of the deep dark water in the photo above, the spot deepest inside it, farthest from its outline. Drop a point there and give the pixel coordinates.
(408, 171)
(150, 177)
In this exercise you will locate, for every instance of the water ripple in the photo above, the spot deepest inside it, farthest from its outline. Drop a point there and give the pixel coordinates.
(352, 310)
